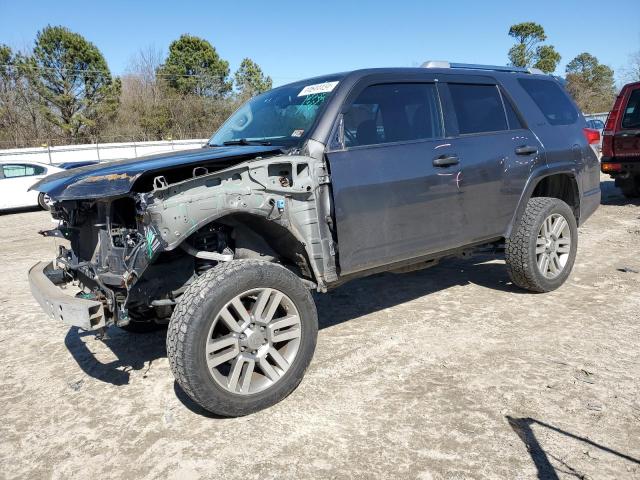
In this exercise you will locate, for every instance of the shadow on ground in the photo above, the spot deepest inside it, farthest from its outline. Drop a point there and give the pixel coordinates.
(14, 211)
(353, 300)
(611, 195)
(543, 460)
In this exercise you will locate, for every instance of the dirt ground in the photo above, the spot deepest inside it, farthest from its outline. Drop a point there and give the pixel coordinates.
(448, 373)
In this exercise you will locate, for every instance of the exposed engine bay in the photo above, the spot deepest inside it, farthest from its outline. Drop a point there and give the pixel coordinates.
(137, 252)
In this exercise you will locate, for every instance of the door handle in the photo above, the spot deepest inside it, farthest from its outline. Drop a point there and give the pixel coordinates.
(526, 150)
(446, 160)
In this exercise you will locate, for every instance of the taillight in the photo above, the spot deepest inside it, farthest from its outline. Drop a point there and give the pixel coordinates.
(607, 167)
(610, 127)
(593, 136)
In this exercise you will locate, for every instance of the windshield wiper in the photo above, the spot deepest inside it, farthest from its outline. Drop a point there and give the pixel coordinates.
(244, 141)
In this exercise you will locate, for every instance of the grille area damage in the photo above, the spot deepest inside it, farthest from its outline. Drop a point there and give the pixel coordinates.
(136, 252)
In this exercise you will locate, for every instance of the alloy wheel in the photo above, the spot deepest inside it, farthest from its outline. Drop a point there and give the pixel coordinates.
(253, 341)
(553, 245)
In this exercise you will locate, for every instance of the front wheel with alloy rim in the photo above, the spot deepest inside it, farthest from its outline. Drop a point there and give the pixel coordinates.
(542, 248)
(242, 336)
(44, 201)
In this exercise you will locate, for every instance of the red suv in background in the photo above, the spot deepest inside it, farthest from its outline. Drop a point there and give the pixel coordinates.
(621, 141)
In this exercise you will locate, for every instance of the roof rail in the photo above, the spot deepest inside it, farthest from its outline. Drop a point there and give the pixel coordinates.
(475, 66)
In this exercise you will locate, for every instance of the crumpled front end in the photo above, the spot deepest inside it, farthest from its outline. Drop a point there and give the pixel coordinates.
(135, 254)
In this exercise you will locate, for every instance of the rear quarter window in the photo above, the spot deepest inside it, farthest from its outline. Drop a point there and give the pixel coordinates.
(551, 100)
(21, 170)
(631, 118)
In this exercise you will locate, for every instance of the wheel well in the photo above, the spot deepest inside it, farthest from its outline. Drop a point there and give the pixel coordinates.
(562, 186)
(256, 237)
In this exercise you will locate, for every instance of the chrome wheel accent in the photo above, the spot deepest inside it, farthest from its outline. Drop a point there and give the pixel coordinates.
(553, 245)
(253, 341)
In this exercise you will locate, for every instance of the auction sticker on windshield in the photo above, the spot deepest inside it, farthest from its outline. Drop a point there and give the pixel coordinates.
(325, 87)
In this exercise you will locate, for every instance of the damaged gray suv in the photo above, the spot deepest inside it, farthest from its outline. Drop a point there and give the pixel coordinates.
(308, 186)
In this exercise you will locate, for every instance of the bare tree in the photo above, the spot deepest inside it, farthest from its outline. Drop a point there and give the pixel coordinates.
(631, 72)
(145, 63)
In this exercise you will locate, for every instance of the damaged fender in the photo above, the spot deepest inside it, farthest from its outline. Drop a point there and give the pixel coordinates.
(281, 189)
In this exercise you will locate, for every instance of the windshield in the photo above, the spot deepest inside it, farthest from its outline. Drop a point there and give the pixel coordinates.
(282, 116)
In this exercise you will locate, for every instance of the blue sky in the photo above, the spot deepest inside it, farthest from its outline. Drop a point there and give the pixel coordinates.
(297, 39)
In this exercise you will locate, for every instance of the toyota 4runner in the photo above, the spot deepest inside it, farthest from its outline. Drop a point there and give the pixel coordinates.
(308, 186)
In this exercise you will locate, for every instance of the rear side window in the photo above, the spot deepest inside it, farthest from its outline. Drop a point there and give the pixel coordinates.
(478, 108)
(512, 116)
(21, 170)
(551, 100)
(631, 118)
(390, 113)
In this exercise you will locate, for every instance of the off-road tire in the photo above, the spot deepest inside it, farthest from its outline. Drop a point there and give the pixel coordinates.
(195, 313)
(41, 202)
(520, 248)
(630, 187)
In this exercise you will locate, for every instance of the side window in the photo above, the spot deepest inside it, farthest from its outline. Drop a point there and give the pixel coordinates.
(478, 108)
(21, 170)
(631, 118)
(551, 100)
(393, 113)
(512, 116)
(12, 171)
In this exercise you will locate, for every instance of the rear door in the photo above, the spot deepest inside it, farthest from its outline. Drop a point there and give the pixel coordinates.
(626, 140)
(391, 203)
(562, 132)
(496, 153)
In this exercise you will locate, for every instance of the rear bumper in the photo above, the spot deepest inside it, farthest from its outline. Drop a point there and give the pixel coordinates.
(76, 312)
(619, 167)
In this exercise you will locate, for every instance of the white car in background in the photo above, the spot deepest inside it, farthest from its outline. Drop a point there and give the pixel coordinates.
(15, 180)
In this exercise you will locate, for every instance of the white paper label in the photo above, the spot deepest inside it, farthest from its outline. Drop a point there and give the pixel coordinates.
(325, 87)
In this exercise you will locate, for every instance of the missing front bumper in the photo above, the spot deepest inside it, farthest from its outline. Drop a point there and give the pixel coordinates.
(76, 312)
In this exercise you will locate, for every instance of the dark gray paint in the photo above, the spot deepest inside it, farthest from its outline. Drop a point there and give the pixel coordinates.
(391, 204)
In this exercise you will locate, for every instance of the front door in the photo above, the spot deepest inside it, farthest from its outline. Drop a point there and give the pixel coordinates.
(394, 182)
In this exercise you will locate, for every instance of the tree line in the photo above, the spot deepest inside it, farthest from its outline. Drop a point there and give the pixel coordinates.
(591, 83)
(63, 92)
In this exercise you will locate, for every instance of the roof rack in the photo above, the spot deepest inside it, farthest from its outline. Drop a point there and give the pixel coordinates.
(475, 66)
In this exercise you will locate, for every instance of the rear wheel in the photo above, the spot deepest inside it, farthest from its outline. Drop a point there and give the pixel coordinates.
(242, 336)
(542, 250)
(44, 201)
(630, 187)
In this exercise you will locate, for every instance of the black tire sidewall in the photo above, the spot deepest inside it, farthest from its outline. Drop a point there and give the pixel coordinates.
(208, 392)
(629, 186)
(43, 205)
(559, 207)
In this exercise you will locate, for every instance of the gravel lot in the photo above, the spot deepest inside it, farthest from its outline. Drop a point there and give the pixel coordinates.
(449, 372)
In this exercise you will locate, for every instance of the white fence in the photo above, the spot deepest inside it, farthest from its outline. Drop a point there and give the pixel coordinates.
(103, 152)
(597, 116)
